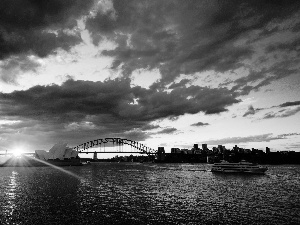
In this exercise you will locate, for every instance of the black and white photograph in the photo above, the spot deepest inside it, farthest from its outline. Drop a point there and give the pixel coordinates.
(149, 112)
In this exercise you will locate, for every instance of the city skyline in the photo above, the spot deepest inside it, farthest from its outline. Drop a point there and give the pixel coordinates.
(163, 73)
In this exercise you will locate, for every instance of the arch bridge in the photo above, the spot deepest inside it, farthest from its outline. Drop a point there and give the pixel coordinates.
(139, 147)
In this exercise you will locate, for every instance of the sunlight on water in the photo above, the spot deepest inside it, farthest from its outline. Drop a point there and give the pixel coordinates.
(11, 192)
(57, 168)
(133, 193)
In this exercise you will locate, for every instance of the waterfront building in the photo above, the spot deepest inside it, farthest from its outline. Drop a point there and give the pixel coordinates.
(215, 150)
(58, 151)
(161, 154)
(175, 150)
(190, 151)
(235, 148)
(247, 151)
(184, 151)
(197, 151)
(220, 149)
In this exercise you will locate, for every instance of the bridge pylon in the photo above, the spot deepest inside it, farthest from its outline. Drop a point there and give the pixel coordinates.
(95, 156)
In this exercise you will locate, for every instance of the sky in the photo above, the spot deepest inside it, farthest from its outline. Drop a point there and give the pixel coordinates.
(166, 73)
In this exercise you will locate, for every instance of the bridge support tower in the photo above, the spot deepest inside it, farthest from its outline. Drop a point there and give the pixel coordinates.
(95, 156)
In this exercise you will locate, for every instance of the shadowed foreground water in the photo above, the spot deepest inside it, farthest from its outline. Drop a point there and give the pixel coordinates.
(132, 193)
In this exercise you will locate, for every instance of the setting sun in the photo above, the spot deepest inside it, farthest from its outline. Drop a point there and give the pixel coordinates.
(18, 152)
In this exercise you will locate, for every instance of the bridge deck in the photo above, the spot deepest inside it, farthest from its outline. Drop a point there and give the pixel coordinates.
(82, 152)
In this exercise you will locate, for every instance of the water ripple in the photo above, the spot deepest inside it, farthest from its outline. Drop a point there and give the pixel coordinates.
(121, 193)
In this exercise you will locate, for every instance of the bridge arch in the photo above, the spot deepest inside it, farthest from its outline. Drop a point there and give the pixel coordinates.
(82, 148)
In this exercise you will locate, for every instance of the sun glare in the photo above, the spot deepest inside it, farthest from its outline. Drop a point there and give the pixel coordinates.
(18, 152)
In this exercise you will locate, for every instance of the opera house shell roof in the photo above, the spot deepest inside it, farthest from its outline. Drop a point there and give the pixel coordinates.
(58, 151)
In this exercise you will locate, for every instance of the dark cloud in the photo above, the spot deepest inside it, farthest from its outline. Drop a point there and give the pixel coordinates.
(185, 37)
(36, 28)
(39, 27)
(289, 46)
(242, 83)
(177, 37)
(286, 104)
(149, 127)
(14, 66)
(257, 79)
(74, 99)
(296, 28)
(112, 107)
(289, 134)
(278, 111)
(250, 111)
(43, 135)
(269, 115)
(281, 60)
(282, 113)
(167, 131)
(199, 124)
(283, 110)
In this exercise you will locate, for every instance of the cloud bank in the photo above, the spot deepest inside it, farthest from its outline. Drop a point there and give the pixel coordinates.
(112, 107)
(197, 36)
(246, 44)
(254, 138)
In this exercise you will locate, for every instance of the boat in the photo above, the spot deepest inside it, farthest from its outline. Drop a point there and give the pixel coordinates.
(241, 167)
(86, 163)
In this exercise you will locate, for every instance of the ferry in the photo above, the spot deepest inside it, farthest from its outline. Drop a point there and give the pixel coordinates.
(241, 167)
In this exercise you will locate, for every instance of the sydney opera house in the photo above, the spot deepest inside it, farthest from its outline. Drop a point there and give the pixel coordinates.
(58, 155)
(59, 151)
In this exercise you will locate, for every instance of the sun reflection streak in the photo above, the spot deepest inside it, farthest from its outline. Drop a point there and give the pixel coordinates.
(26, 161)
(58, 168)
(83, 180)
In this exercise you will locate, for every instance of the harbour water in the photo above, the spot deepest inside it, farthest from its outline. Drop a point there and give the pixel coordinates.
(134, 193)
